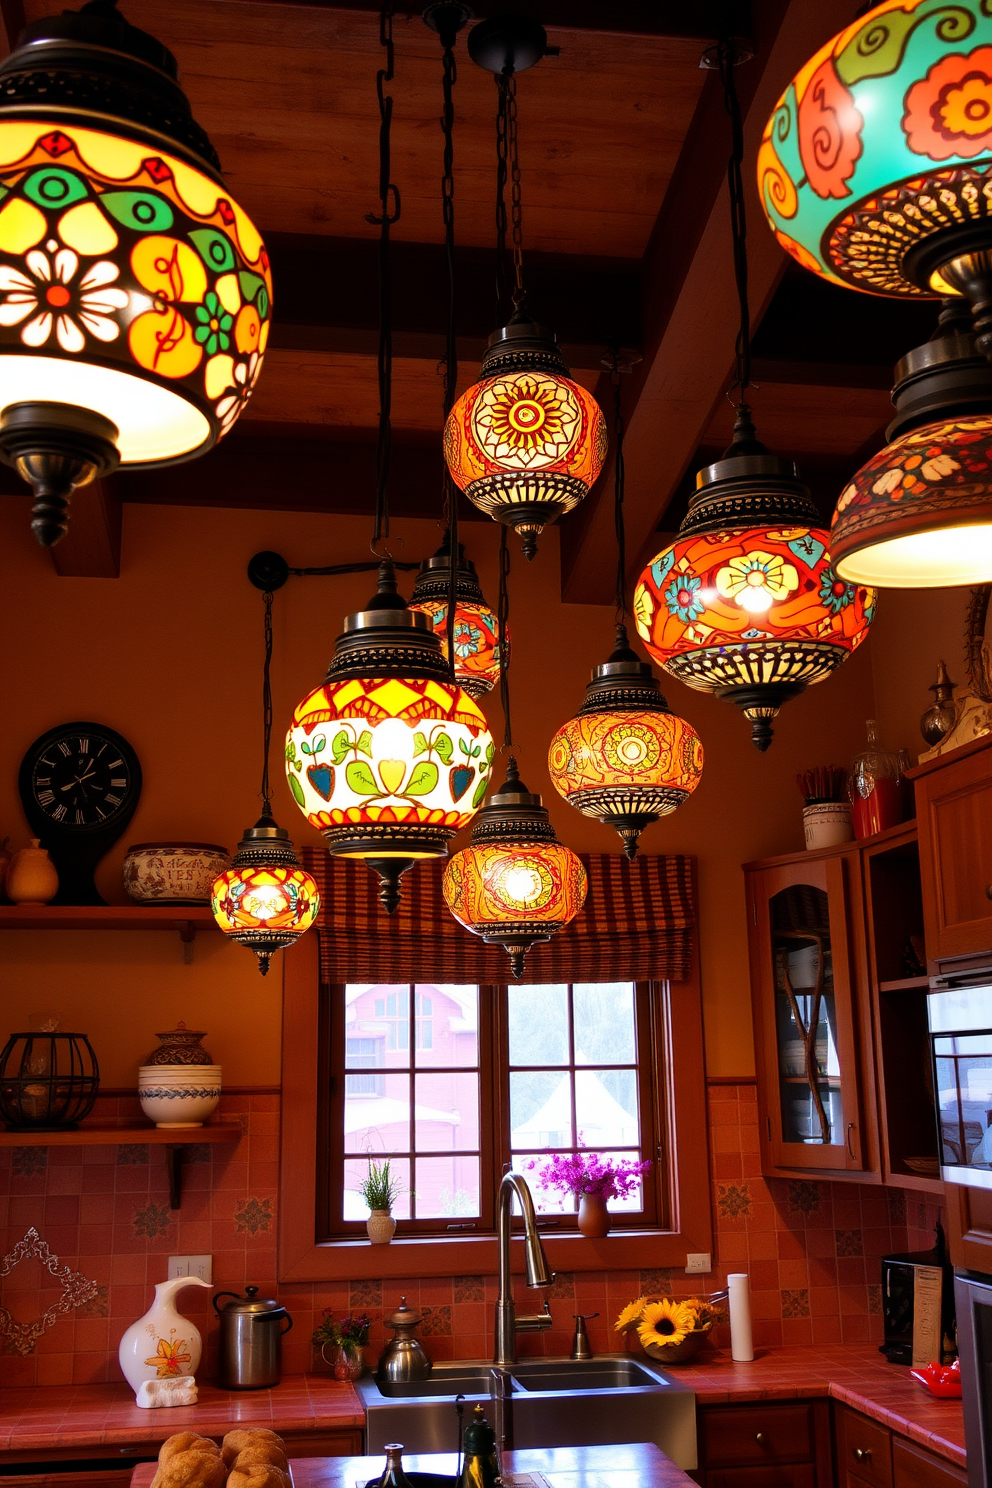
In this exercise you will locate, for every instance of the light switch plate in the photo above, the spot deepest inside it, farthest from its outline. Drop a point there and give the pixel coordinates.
(201, 1266)
(698, 1261)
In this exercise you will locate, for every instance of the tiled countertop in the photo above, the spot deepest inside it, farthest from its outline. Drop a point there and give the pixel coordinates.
(90, 1415)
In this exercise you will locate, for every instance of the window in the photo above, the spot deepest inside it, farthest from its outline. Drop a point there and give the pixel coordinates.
(495, 1076)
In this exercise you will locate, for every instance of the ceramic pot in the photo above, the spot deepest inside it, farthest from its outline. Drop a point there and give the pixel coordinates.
(179, 1095)
(381, 1226)
(173, 872)
(826, 824)
(679, 1353)
(594, 1217)
(31, 877)
(162, 1345)
(347, 1360)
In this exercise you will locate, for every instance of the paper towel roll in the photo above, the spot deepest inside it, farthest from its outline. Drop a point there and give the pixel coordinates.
(739, 1299)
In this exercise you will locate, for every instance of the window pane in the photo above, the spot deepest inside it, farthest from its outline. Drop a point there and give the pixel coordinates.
(604, 1023)
(447, 1113)
(355, 1170)
(447, 1187)
(538, 1025)
(379, 1014)
(606, 1108)
(540, 1111)
(446, 1026)
(377, 1121)
(546, 1200)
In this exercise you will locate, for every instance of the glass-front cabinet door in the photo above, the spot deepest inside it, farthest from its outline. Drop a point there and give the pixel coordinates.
(806, 1017)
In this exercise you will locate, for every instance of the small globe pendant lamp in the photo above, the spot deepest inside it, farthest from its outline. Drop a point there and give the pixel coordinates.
(265, 900)
(525, 443)
(918, 515)
(135, 294)
(477, 640)
(873, 168)
(388, 758)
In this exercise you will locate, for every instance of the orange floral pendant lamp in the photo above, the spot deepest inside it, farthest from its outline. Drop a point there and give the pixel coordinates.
(135, 294)
(477, 640)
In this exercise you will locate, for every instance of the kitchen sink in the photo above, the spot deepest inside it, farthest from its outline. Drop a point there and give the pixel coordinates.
(552, 1403)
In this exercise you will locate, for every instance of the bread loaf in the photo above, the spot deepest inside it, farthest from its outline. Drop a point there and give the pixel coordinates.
(186, 1463)
(250, 1437)
(260, 1475)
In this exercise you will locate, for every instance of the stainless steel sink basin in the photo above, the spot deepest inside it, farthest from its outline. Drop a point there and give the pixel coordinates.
(554, 1403)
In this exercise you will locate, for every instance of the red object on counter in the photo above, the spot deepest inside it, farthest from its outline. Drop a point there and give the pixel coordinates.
(941, 1380)
(883, 807)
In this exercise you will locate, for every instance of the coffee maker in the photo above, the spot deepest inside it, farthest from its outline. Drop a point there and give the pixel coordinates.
(918, 1305)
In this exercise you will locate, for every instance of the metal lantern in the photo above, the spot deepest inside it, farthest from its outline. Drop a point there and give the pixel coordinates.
(745, 603)
(515, 884)
(48, 1081)
(135, 294)
(265, 900)
(478, 652)
(625, 758)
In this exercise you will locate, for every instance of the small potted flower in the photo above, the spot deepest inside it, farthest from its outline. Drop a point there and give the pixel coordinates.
(342, 1343)
(592, 1180)
(670, 1329)
(380, 1190)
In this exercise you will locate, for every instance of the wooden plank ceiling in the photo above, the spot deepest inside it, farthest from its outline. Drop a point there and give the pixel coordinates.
(623, 145)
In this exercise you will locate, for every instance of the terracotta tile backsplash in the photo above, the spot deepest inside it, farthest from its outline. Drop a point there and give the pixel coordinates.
(812, 1249)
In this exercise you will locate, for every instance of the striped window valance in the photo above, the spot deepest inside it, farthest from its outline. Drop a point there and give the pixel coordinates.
(638, 922)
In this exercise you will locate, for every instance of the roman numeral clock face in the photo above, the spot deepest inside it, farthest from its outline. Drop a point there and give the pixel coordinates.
(82, 779)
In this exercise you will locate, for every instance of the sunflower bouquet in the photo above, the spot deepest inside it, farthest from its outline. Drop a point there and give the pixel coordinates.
(670, 1329)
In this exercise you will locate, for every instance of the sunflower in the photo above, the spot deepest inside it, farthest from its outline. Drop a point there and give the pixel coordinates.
(630, 1315)
(664, 1322)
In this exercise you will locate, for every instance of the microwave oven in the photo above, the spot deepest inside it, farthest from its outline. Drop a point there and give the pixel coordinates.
(959, 1015)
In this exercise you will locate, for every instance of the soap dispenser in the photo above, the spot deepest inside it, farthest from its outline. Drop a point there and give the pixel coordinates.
(403, 1359)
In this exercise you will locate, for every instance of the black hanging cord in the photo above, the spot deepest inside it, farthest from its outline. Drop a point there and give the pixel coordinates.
(726, 57)
(508, 168)
(449, 77)
(331, 569)
(389, 211)
(266, 791)
(502, 621)
(618, 490)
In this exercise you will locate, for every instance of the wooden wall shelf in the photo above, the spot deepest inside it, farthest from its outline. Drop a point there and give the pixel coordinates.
(173, 1139)
(185, 920)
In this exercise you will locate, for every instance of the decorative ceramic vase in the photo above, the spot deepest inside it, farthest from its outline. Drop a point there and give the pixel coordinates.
(173, 872)
(179, 1095)
(594, 1217)
(181, 1045)
(347, 1360)
(938, 719)
(162, 1345)
(381, 1226)
(679, 1353)
(31, 877)
(826, 824)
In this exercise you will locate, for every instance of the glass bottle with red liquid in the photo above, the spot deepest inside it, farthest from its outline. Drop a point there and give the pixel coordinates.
(880, 796)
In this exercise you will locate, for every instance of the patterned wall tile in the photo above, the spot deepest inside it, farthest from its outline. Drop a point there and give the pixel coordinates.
(850, 1242)
(657, 1280)
(98, 1305)
(366, 1292)
(734, 1200)
(152, 1220)
(564, 1284)
(437, 1321)
(795, 1304)
(132, 1155)
(28, 1162)
(469, 1289)
(804, 1197)
(254, 1216)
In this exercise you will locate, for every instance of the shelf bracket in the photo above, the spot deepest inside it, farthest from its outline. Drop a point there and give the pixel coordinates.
(174, 1168)
(188, 937)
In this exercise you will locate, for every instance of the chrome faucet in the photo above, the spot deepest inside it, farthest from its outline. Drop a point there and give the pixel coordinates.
(508, 1325)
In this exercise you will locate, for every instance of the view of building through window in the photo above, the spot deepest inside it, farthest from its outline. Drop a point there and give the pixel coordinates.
(573, 1082)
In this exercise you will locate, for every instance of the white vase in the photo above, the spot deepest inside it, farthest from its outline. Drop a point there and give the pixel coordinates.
(163, 1344)
(179, 1095)
(827, 824)
(381, 1226)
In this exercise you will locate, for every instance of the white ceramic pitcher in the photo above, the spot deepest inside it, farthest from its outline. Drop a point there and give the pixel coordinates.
(162, 1345)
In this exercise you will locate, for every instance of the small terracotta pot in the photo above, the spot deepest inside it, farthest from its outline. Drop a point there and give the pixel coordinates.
(32, 877)
(594, 1217)
(381, 1226)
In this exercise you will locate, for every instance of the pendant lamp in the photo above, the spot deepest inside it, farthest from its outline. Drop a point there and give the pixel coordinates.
(388, 759)
(265, 900)
(135, 294)
(526, 442)
(476, 639)
(515, 884)
(919, 513)
(873, 169)
(745, 604)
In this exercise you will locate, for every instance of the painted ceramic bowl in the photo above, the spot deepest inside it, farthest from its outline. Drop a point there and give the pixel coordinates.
(179, 1096)
(173, 872)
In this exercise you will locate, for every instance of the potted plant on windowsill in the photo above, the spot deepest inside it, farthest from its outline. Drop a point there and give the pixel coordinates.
(380, 1190)
(593, 1180)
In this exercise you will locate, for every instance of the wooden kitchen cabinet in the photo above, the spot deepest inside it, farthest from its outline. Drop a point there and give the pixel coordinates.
(954, 812)
(773, 1444)
(869, 1455)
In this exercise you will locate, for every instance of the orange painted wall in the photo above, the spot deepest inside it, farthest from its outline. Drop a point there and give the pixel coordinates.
(170, 655)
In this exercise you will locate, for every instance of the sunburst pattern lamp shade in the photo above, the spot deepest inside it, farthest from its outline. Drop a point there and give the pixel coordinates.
(525, 443)
(265, 900)
(135, 294)
(874, 168)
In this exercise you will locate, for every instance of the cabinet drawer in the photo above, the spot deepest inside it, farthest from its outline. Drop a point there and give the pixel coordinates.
(864, 1450)
(742, 1436)
(788, 1475)
(914, 1467)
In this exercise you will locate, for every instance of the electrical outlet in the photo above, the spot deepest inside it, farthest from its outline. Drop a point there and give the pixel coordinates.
(699, 1261)
(201, 1266)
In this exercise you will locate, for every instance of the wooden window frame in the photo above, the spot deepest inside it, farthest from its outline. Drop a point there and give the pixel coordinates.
(688, 1228)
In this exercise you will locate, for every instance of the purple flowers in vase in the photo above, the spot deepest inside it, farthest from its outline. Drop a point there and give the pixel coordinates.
(579, 1173)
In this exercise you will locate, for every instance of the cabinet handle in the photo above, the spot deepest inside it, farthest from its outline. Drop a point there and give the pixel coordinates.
(759, 1436)
(862, 1454)
(850, 1128)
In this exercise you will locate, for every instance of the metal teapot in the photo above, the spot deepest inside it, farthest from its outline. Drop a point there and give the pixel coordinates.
(250, 1340)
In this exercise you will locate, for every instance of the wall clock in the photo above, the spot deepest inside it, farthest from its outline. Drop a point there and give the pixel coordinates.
(79, 784)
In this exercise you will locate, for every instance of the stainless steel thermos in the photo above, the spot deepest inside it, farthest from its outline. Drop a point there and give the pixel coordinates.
(251, 1330)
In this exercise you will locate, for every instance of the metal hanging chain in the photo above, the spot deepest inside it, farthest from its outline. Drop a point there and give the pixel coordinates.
(389, 212)
(502, 123)
(449, 491)
(618, 491)
(502, 621)
(266, 791)
(516, 207)
(726, 57)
